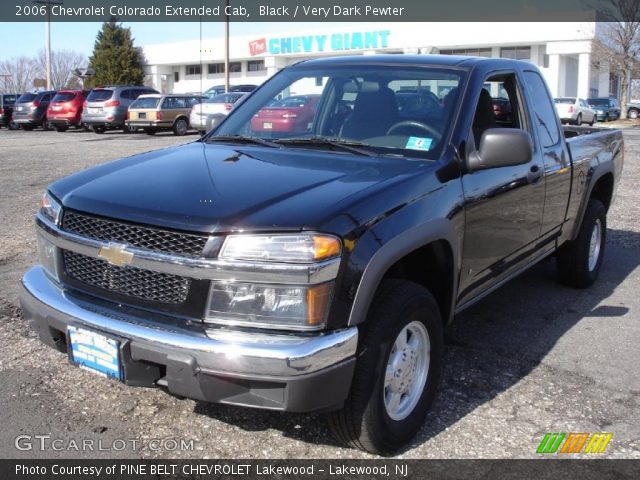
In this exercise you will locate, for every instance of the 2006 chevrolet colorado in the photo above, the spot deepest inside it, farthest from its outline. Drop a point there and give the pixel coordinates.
(315, 270)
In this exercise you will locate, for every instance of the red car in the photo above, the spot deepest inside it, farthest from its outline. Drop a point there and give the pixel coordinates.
(65, 109)
(292, 114)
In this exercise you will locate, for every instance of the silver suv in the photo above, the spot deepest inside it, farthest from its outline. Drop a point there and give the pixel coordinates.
(106, 107)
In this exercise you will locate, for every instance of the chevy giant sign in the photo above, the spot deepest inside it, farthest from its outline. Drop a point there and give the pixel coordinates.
(335, 42)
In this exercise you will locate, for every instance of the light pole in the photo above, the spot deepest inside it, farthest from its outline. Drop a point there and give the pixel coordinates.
(47, 33)
(226, 46)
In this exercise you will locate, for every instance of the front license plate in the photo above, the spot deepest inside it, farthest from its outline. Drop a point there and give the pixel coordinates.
(95, 352)
(267, 125)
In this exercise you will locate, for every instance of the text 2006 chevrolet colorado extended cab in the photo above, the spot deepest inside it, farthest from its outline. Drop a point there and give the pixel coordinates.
(313, 267)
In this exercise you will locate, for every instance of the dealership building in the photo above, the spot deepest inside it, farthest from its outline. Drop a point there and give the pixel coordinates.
(562, 50)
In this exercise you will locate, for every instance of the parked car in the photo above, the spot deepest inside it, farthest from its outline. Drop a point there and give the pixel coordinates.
(606, 108)
(291, 114)
(633, 109)
(318, 273)
(575, 110)
(208, 114)
(106, 107)
(30, 110)
(157, 112)
(65, 109)
(7, 103)
(219, 89)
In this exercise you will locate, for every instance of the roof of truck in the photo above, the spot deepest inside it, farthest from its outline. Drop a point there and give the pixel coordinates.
(409, 60)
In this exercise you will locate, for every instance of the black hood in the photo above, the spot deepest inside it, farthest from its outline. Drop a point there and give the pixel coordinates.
(220, 188)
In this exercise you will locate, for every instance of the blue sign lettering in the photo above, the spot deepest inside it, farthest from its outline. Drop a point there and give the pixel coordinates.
(336, 42)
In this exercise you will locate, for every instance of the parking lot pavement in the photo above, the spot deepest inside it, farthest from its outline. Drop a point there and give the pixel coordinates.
(534, 357)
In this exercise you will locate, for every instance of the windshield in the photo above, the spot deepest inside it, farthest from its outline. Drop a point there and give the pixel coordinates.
(99, 95)
(146, 102)
(27, 97)
(601, 102)
(566, 100)
(225, 98)
(393, 110)
(63, 97)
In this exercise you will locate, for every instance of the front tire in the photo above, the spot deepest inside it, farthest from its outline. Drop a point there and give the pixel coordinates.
(397, 370)
(579, 260)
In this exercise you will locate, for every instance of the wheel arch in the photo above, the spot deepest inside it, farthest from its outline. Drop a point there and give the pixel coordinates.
(426, 254)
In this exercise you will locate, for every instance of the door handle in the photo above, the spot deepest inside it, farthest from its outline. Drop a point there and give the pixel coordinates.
(535, 173)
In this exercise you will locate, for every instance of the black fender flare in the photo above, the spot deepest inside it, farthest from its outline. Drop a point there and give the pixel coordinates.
(398, 247)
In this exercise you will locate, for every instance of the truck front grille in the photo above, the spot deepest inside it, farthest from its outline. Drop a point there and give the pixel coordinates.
(128, 281)
(151, 238)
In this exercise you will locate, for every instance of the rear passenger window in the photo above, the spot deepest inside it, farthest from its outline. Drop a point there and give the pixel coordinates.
(544, 112)
(174, 102)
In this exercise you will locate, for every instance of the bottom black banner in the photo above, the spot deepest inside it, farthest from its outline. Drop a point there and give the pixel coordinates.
(317, 469)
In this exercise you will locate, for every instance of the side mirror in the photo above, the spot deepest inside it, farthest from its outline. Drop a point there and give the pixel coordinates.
(501, 147)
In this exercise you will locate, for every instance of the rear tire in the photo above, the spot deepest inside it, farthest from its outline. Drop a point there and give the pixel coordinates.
(632, 114)
(46, 125)
(390, 394)
(579, 261)
(579, 120)
(128, 129)
(13, 126)
(180, 127)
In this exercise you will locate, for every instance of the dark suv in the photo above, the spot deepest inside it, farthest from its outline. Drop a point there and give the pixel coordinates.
(30, 110)
(7, 103)
(106, 107)
(606, 108)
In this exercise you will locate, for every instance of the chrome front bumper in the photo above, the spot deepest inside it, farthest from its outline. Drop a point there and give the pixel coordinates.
(272, 371)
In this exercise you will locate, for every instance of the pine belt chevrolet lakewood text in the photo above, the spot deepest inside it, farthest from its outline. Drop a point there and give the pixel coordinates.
(313, 268)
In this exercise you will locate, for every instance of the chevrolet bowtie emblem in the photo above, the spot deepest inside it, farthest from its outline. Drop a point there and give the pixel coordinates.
(116, 255)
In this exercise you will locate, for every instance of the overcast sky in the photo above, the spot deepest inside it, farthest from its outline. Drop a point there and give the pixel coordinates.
(18, 39)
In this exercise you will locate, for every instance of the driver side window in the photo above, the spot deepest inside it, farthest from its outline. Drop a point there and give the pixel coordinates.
(498, 106)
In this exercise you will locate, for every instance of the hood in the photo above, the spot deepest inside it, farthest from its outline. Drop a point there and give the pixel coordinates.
(218, 188)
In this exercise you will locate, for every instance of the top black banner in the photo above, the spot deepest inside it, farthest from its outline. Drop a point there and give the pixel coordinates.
(312, 10)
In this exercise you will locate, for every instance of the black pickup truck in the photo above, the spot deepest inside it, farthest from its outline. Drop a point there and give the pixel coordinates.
(314, 267)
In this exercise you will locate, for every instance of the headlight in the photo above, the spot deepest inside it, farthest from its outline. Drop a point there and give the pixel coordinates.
(50, 208)
(287, 307)
(304, 248)
(47, 255)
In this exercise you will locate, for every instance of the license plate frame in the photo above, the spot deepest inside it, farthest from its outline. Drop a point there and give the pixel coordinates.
(95, 352)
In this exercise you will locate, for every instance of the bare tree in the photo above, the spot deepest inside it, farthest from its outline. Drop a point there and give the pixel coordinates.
(18, 74)
(619, 44)
(63, 62)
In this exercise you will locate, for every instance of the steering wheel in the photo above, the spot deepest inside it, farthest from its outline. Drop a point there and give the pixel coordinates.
(415, 124)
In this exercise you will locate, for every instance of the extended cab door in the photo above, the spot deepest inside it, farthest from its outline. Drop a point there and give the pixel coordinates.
(557, 164)
(503, 205)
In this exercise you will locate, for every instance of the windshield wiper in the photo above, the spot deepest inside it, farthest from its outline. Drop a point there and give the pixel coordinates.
(240, 139)
(350, 146)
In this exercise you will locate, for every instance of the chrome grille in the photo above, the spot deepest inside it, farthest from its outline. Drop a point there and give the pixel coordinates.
(129, 281)
(151, 238)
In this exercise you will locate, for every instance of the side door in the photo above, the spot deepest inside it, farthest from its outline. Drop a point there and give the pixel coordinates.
(503, 205)
(557, 164)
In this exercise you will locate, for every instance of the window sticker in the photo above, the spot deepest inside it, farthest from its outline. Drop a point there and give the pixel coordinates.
(419, 143)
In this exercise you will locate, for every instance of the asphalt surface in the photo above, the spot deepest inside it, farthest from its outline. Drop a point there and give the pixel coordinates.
(532, 358)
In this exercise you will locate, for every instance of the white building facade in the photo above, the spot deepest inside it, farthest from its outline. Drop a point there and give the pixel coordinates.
(562, 51)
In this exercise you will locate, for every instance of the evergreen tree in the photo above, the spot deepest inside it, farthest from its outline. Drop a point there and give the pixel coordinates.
(115, 60)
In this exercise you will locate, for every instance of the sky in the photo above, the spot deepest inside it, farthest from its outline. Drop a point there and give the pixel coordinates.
(18, 39)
